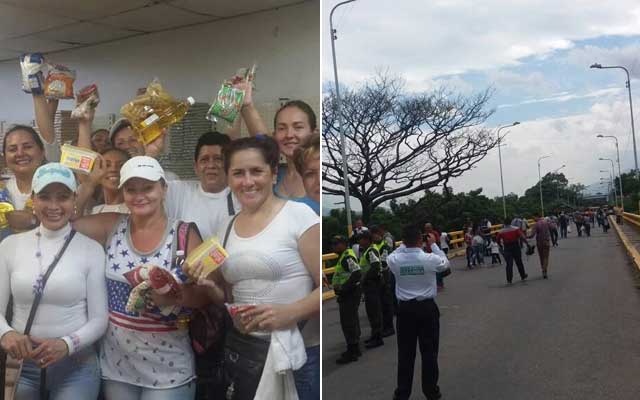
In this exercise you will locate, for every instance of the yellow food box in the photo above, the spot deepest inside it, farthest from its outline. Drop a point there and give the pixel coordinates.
(211, 253)
(77, 158)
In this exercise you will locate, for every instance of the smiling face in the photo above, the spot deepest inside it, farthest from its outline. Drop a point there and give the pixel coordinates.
(54, 205)
(144, 197)
(125, 140)
(22, 154)
(113, 162)
(291, 130)
(209, 169)
(250, 178)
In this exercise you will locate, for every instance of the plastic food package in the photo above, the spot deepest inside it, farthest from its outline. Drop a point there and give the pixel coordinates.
(78, 159)
(235, 310)
(33, 69)
(228, 102)
(87, 99)
(211, 253)
(59, 82)
(5, 207)
(153, 111)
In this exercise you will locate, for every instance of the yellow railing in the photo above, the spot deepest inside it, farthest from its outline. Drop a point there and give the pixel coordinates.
(456, 247)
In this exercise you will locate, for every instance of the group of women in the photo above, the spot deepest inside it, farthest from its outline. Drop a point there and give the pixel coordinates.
(82, 333)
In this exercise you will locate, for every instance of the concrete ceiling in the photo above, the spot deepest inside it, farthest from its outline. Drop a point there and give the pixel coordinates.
(53, 25)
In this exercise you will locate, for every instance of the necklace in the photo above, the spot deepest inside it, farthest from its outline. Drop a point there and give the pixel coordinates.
(38, 285)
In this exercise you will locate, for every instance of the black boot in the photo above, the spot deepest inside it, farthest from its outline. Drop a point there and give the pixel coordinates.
(375, 342)
(350, 355)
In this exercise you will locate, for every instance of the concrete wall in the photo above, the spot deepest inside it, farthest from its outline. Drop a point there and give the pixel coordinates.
(193, 61)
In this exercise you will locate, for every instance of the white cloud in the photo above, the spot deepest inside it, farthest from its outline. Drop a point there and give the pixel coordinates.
(626, 56)
(429, 39)
(566, 96)
(570, 140)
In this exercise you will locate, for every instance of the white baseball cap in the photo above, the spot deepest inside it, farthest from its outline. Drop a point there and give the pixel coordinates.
(144, 167)
(117, 127)
(53, 173)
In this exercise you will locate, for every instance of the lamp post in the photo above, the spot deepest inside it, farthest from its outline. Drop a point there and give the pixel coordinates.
(613, 172)
(633, 131)
(619, 171)
(613, 186)
(345, 173)
(540, 185)
(558, 186)
(504, 203)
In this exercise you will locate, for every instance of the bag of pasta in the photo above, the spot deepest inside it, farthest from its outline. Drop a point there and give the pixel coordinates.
(87, 99)
(59, 82)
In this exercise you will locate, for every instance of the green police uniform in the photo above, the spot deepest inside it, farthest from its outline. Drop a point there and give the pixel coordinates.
(387, 288)
(346, 283)
(371, 284)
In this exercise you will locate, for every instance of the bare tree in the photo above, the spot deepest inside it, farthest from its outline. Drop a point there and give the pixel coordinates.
(398, 144)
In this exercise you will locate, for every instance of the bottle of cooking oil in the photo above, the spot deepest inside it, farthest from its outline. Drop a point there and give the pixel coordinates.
(158, 118)
(5, 207)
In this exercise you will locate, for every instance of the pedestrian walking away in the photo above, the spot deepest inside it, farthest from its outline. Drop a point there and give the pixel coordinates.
(418, 318)
(495, 252)
(542, 233)
(346, 285)
(509, 237)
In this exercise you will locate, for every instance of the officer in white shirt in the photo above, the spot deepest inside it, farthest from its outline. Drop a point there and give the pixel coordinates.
(418, 317)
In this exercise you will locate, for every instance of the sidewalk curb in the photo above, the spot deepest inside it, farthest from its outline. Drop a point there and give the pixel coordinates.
(631, 250)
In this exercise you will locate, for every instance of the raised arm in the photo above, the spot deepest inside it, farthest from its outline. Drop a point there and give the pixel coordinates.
(251, 116)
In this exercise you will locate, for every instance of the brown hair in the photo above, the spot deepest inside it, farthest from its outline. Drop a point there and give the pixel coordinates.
(267, 147)
(309, 148)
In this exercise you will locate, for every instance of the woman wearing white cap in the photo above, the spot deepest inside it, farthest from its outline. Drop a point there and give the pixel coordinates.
(72, 311)
(143, 356)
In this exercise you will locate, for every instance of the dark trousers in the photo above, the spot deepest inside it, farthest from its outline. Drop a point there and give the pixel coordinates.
(210, 384)
(373, 305)
(349, 321)
(554, 236)
(563, 231)
(495, 258)
(418, 321)
(587, 229)
(387, 299)
(578, 226)
(469, 253)
(512, 253)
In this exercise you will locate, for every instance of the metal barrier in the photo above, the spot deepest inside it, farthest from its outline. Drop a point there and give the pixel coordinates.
(456, 248)
(632, 218)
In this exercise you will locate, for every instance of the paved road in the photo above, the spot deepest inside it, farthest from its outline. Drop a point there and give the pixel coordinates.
(574, 336)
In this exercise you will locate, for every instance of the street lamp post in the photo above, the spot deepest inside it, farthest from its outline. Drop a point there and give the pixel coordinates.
(345, 173)
(619, 171)
(504, 203)
(613, 172)
(612, 186)
(633, 131)
(558, 185)
(540, 185)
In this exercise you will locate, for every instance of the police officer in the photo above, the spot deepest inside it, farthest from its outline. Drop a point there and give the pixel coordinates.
(371, 284)
(387, 283)
(346, 285)
(418, 317)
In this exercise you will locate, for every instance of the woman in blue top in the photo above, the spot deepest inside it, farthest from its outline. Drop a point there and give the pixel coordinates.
(293, 125)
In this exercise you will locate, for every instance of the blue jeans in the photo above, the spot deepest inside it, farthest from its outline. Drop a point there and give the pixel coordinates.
(308, 377)
(73, 377)
(114, 390)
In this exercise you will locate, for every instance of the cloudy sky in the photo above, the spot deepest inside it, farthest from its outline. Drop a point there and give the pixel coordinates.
(535, 54)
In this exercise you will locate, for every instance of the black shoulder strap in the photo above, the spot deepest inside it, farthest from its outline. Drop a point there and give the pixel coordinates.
(226, 234)
(36, 300)
(230, 207)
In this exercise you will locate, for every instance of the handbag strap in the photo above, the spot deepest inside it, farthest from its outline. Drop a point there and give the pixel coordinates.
(36, 300)
(226, 234)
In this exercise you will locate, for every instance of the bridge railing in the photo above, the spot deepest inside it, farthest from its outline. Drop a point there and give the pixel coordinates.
(457, 247)
(632, 218)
